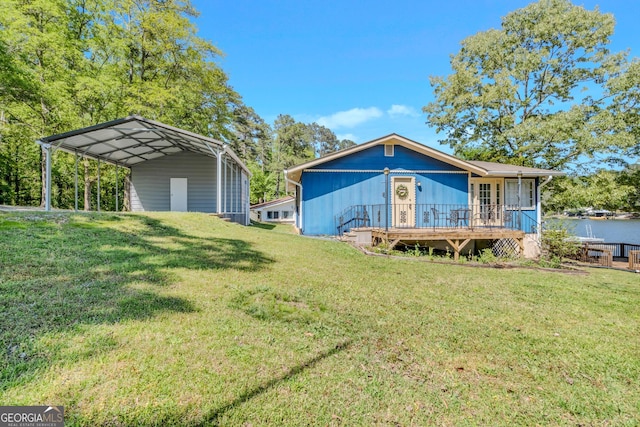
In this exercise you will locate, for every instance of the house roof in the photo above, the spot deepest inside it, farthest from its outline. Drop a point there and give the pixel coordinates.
(272, 203)
(505, 170)
(134, 139)
(477, 167)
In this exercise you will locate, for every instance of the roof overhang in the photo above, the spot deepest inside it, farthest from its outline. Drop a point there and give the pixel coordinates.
(295, 173)
(134, 139)
(483, 169)
(513, 171)
(272, 203)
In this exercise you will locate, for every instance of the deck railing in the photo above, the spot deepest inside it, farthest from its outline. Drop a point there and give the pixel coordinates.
(619, 251)
(435, 216)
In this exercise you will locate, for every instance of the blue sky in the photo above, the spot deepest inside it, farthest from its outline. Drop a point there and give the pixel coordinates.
(360, 68)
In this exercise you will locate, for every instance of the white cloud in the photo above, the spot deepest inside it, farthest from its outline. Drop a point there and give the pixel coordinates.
(350, 118)
(402, 110)
(348, 136)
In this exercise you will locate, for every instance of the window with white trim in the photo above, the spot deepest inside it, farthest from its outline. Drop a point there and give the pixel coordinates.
(528, 193)
(388, 150)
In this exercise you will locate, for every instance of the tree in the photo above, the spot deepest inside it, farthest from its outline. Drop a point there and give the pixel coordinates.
(262, 184)
(517, 94)
(292, 145)
(345, 143)
(66, 64)
(630, 177)
(604, 189)
(250, 134)
(623, 115)
(323, 139)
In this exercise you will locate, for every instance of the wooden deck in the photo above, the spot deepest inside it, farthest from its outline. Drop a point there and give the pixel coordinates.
(456, 238)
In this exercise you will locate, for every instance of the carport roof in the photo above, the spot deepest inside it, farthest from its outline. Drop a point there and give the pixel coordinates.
(134, 139)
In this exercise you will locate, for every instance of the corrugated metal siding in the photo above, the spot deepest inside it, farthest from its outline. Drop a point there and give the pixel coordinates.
(232, 192)
(150, 182)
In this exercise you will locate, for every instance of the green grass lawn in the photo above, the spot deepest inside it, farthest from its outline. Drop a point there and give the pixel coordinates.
(183, 319)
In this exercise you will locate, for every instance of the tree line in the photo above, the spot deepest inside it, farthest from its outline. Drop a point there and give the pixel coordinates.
(543, 90)
(68, 64)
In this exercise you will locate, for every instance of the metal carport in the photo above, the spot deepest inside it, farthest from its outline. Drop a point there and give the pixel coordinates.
(133, 140)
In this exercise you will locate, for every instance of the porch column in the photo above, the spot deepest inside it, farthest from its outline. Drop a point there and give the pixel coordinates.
(386, 198)
(520, 199)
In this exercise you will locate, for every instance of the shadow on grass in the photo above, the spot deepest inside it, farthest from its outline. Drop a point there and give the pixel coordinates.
(213, 418)
(61, 272)
(263, 225)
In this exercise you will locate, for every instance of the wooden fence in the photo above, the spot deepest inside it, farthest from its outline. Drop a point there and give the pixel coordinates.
(634, 260)
(596, 255)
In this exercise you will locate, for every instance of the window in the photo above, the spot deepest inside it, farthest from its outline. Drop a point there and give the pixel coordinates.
(272, 214)
(388, 150)
(528, 193)
(285, 214)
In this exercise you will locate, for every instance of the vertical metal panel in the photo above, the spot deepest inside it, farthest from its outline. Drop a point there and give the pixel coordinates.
(150, 182)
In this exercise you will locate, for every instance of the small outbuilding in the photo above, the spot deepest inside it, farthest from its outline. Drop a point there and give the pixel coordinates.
(279, 210)
(171, 169)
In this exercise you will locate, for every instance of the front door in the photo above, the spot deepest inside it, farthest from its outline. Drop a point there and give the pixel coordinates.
(486, 201)
(404, 202)
(178, 190)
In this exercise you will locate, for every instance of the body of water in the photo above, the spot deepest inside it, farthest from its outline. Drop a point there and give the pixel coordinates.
(611, 230)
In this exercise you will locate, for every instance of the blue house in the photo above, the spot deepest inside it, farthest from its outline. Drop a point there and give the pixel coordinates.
(393, 183)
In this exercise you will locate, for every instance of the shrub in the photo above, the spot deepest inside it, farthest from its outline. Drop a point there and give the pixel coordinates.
(558, 242)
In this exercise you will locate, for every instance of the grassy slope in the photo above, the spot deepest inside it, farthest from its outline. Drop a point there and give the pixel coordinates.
(183, 319)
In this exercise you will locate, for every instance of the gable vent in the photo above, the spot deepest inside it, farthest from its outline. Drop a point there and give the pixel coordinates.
(388, 150)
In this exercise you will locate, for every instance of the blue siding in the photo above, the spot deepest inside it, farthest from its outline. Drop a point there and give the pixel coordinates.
(374, 158)
(328, 194)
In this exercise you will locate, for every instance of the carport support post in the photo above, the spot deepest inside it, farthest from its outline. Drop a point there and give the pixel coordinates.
(226, 175)
(98, 185)
(116, 188)
(47, 193)
(75, 188)
(219, 181)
